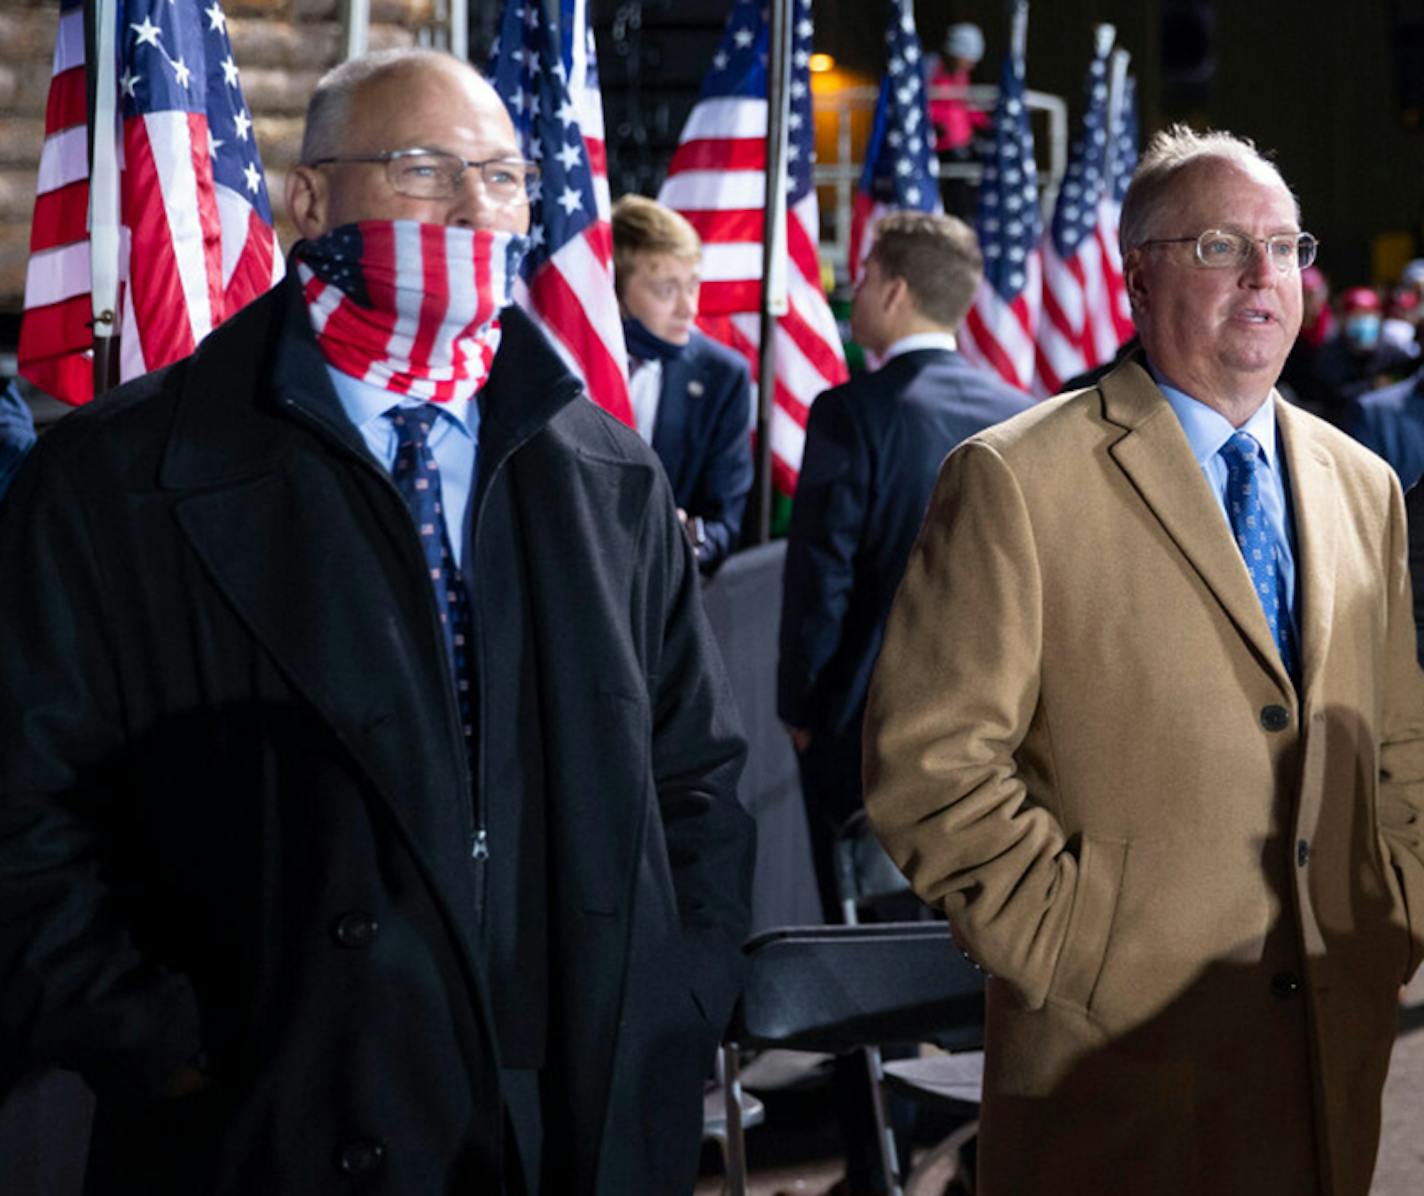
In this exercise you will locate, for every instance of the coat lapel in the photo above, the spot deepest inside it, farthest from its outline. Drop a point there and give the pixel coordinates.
(670, 429)
(1315, 505)
(284, 535)
(1155, 456)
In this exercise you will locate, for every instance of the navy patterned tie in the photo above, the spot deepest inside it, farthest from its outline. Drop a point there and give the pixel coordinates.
(1256, 538)
(418, 479)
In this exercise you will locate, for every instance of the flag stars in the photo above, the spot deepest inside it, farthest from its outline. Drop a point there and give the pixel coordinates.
(127, 82)
(720, 60)
(181, 73)
(148, 33)
(252, 177)
(571, 201)
(567, 112)
(243, 123)
(744, 38)
(229, 70)
(217, 19)
(569, 156)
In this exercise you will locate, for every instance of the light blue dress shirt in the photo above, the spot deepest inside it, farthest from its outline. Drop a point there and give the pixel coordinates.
(1207, 431)
(454, 442)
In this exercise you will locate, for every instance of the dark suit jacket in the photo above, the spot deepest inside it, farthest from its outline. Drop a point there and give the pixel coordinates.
(703, 438)
(1414, 509)
(873, 450)
(236, 808)
(1391, 422)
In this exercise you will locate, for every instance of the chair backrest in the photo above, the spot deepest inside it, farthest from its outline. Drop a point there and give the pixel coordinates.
(835, 988)
(865, 876)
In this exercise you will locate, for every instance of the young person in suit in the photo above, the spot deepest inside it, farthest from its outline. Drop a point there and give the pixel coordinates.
(691, 395)
(1149, 728)
(873, 449)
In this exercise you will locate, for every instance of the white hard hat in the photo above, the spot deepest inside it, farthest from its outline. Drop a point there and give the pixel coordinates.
(964, 41)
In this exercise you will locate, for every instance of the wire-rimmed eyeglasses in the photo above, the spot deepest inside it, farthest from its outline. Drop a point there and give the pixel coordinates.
(1221, 249)
(435, 174)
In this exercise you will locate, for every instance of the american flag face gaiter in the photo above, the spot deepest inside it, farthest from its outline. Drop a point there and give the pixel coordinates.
(410, 307)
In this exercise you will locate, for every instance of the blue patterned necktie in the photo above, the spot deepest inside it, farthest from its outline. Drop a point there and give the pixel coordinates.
(1256, 538)
(418, 479)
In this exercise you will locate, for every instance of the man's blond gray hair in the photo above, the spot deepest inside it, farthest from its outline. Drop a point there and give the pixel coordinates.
(329, 108)
(1170, 152)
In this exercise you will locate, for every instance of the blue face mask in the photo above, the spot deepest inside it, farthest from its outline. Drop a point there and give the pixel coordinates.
(648, 346)
(1361, 331)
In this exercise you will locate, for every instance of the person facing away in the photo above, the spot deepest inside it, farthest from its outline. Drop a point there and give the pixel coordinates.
(691, 395)
(873, 448)
(1148, 727)
(367, 806)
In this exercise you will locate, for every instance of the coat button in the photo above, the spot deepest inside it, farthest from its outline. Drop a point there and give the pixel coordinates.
(1275, 718)
(356, 929)
(1284, 985)
(361, 1157)
(1302, 853)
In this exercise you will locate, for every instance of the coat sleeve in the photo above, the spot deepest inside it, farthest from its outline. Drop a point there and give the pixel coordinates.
(952, 698)
(698, 753)
(76, 991)
(727, 478)
(1401, 749)
(827, 525)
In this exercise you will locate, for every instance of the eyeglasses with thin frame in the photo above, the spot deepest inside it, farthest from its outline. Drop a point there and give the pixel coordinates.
(435, 174)
(1221, 249)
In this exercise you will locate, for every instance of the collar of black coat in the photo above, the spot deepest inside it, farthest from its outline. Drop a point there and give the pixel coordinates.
(264, 364)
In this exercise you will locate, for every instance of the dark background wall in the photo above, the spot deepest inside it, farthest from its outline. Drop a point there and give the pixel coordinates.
(1332, 87)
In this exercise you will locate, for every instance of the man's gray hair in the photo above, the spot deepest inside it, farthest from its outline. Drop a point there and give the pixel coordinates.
(1170, 152)
(330, 103)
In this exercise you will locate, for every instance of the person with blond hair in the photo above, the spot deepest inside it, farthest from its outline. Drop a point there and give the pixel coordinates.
(691, 395)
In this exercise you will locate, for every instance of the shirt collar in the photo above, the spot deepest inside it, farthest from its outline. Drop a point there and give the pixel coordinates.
(918, 341)
(1208, 430)
(364, 402)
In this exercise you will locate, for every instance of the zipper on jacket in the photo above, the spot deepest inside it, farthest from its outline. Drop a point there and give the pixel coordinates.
(479, 853)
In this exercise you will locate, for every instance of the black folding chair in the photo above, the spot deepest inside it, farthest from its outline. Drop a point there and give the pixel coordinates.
(836, 989)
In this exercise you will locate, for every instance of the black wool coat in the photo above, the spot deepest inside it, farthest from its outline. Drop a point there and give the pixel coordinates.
(235, 803)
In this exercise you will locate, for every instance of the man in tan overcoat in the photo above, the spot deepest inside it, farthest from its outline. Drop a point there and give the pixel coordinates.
(1149, 728)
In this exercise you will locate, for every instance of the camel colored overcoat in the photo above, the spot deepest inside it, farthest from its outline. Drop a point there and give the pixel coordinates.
(1190, 883)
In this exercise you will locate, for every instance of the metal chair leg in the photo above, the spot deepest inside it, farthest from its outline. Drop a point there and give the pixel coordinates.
(889, 1157)
(729, 1075)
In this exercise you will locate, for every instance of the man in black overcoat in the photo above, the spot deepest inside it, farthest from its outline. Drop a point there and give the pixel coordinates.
(328, 861)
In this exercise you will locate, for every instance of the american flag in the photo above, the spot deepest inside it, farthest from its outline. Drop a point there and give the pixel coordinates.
(418, 291)
(581, 60)
(196, 226)
(1120, 171)
(1077, 330)
(717, 180)
(999, 330)
(567, 282)
(901, 171)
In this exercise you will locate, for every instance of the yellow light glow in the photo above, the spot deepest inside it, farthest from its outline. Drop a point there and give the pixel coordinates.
(822, 62)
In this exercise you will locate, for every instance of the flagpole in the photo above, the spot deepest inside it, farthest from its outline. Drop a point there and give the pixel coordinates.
(774, 251)
(1117, 83)
(100, 30)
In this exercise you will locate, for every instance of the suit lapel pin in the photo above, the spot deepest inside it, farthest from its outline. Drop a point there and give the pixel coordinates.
(695, 387)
